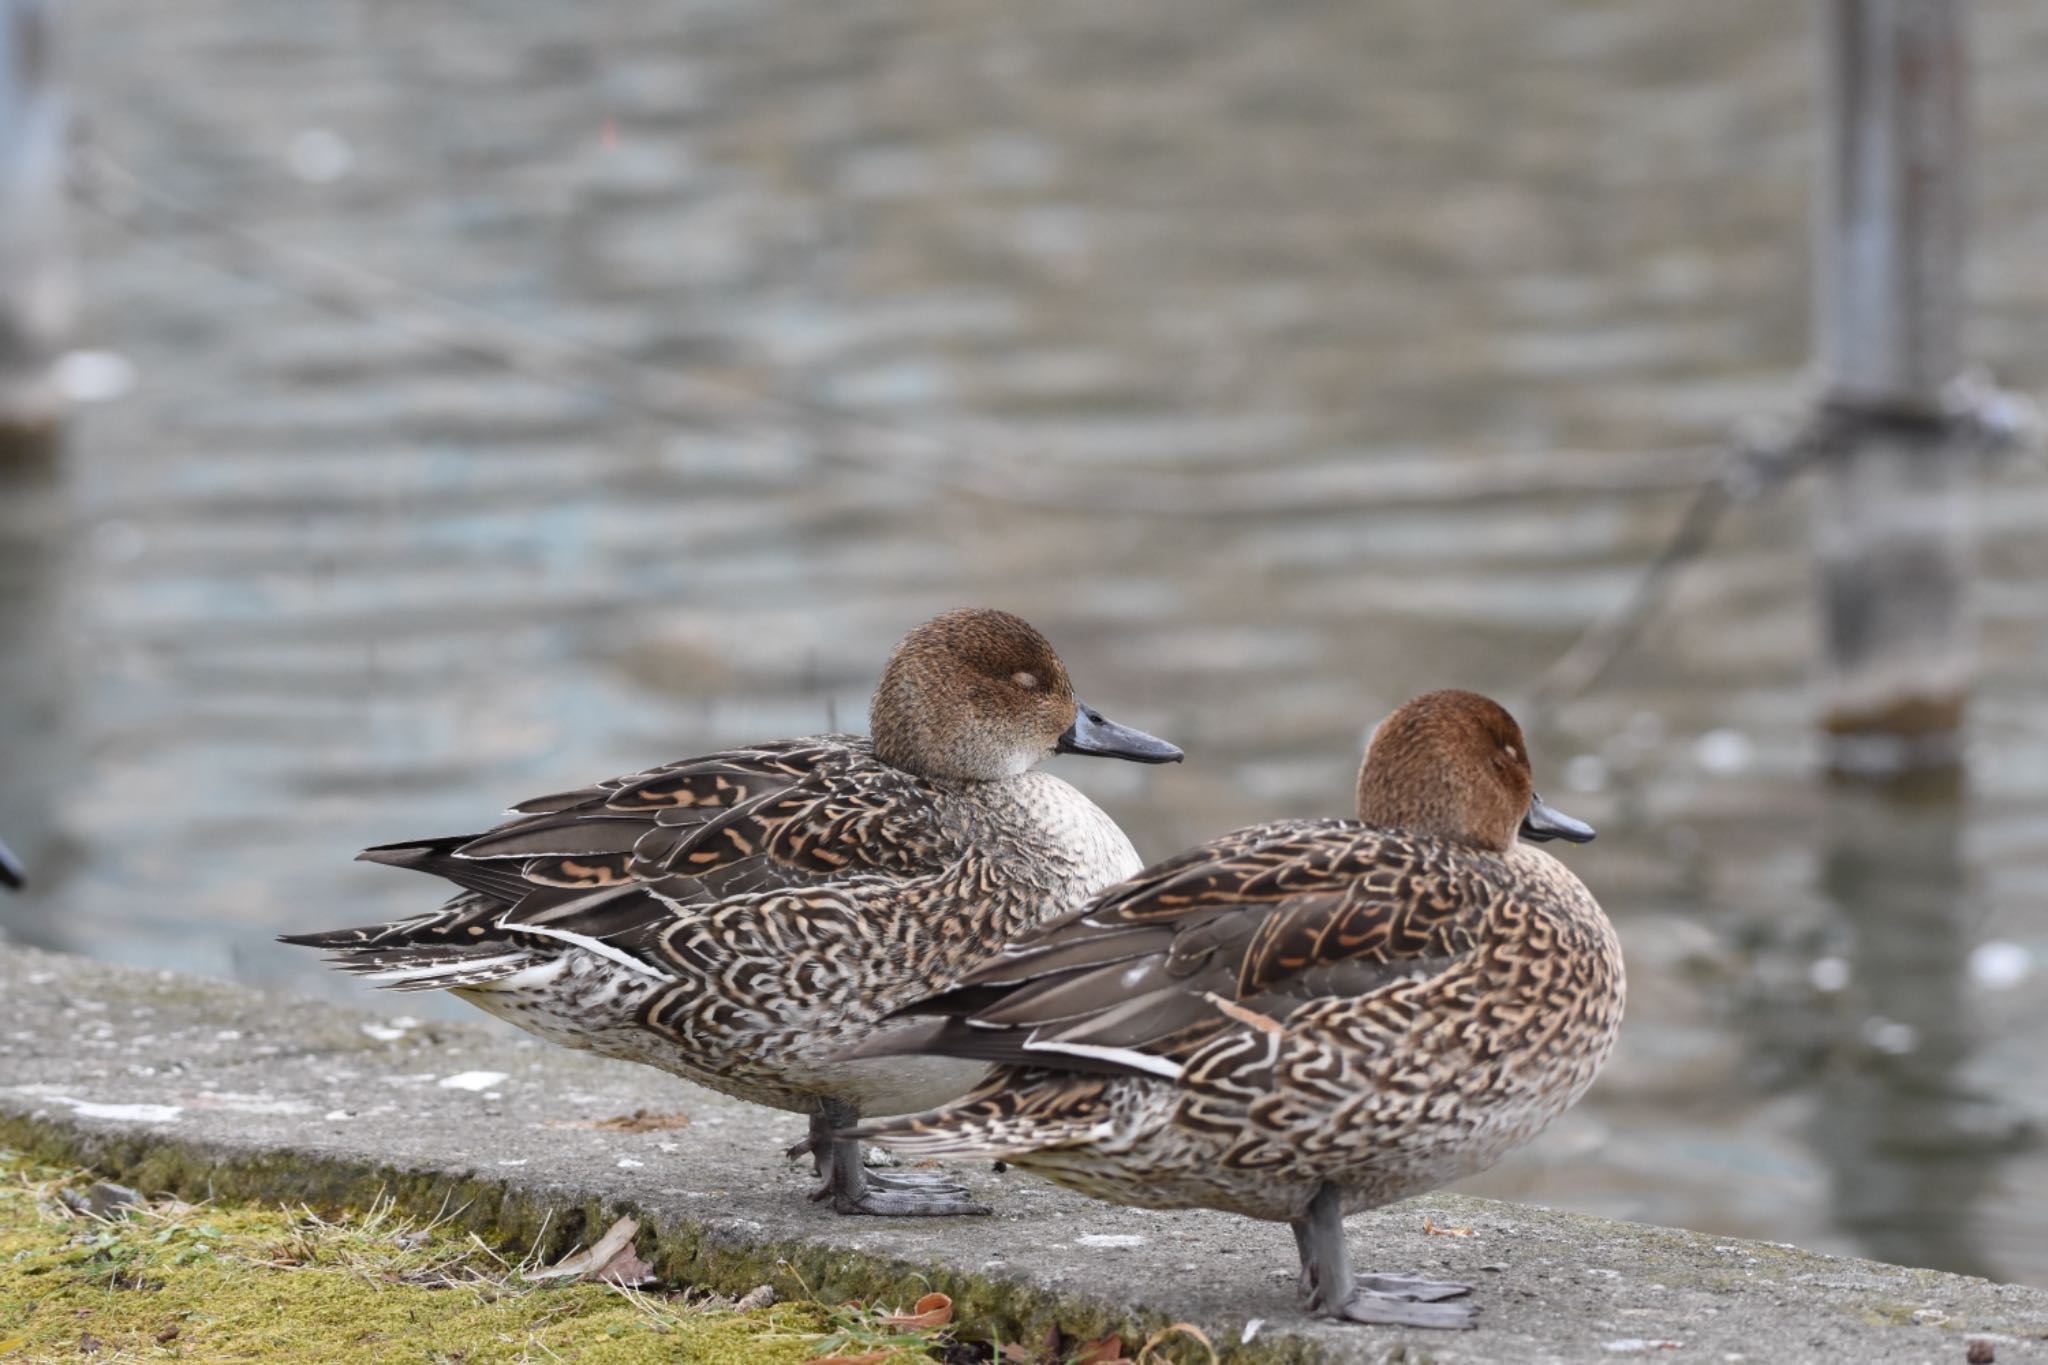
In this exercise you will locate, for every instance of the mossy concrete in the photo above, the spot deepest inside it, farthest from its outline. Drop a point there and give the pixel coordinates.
(178, 1085)
(231, 1281)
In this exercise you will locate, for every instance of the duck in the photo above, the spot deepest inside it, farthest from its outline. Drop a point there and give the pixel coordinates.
(11, 874)
(742, 918)
(1301, 1020)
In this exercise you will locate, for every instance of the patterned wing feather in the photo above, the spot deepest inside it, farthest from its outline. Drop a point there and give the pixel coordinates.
(612, 865)
(1229, 937)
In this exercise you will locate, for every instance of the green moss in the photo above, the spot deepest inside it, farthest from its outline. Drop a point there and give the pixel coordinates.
(517, 1222)
(227, 1282)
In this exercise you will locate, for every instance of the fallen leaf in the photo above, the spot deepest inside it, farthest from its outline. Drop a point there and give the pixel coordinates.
(639, 1121)
(871, 1358)
(1178, 1329)
(933, 1310)
(625, 1269)
(1108, 1351)
(169, 1334)
(611, 1259)
(1429, 1226)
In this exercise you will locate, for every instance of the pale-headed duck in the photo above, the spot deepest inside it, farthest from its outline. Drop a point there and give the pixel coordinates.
(743, 918)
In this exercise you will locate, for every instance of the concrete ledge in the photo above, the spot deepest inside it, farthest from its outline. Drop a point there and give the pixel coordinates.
(200, 1088)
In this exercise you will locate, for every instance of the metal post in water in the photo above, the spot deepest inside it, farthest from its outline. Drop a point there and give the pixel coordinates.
(35, 276)
(1893, 530)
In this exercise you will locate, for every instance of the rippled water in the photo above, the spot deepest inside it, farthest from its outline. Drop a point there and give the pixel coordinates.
(1226, 341)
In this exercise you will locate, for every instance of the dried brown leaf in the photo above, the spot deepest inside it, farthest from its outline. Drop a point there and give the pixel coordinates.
(933, 1310)
(639, 1121)
(597, 1261)
(1164, 1334)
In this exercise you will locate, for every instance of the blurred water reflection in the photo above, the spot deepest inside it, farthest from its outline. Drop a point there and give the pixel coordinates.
(1241, 282)
(1910, 1141)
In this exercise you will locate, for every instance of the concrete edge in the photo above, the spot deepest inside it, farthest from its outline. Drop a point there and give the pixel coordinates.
(554, 1220)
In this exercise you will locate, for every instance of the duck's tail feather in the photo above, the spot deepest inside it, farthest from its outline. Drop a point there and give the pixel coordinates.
(502, 880)
(456, 946)
(11, 874)
(1014, 1112)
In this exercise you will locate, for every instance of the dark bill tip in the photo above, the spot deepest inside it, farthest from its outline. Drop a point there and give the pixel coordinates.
(10, 870)
(1545, 822)
(1094, 733)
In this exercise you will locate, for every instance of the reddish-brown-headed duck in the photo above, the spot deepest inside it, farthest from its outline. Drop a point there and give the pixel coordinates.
(1305, 1019)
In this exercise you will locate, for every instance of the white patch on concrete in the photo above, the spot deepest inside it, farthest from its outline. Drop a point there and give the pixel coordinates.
(628, 1163)
(1109, 1239)
(1636, 1345)
(472, 1080)
(417, 1078)
(94, 1109)
(1251, 1329)
(250, 1104)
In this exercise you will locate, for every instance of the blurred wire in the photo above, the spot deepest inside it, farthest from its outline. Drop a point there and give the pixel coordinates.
(1747, 470)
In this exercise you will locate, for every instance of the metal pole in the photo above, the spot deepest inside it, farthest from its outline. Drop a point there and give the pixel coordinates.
(1893, 530)
(35, 276)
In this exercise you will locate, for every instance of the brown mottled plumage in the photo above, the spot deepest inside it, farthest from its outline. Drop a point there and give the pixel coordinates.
(743, 918)
(1303, 1019)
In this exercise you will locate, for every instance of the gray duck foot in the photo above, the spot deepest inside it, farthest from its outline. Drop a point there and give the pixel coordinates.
(1384, 1310)
(1413, 1288)
(934, 1203)
(1398, 1300)
(853, 1188)
(900, 1194)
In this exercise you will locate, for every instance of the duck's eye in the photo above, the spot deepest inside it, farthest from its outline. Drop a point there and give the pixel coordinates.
(1027, 681)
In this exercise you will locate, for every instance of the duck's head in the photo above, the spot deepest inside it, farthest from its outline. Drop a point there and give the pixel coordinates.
(979, 694)
(1454, 764)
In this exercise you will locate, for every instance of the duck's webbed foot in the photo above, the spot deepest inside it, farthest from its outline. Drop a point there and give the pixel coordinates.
(854, 1188)
(1382, 1310)
(1392, 1300)
(1412, 1288)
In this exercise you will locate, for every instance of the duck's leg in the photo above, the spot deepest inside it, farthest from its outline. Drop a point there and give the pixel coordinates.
(818, 1146)
(853, 1188)
(1384, 1300)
